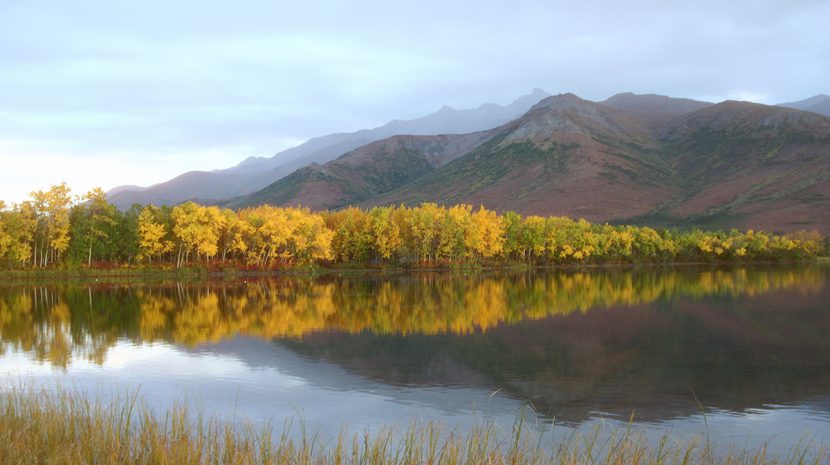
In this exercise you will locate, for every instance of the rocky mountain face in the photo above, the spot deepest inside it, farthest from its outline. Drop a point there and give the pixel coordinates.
(640, 158)
(256, 173)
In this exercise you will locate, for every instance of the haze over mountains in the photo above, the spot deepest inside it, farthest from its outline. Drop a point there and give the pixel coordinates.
(647, 159)
(639, 158)
(255, 173)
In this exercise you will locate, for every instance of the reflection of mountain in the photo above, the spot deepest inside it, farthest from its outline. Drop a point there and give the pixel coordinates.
(430, 368)
(322, 374)
(735, 353)
(570, 342)
(52, 322)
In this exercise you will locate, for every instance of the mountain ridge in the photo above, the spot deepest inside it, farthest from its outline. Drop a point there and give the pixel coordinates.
(817, 104)
(253, 173)
(726, 164)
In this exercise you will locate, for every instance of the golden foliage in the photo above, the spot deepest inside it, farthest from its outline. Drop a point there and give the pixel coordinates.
(54, 323)
(39, 232)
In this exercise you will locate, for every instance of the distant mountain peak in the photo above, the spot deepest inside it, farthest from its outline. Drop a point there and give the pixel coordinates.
(561, 101)
(256, 173)
(818, 98)
(817, 104)
(654, 105)
(731, 164)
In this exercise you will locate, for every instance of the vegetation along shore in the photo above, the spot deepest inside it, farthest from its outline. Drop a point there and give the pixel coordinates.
(54, 230)
(63, 427)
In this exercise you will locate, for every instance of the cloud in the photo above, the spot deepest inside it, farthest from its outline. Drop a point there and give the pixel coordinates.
(160, 84)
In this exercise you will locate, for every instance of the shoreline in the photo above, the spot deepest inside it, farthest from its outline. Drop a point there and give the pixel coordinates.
(204, 273)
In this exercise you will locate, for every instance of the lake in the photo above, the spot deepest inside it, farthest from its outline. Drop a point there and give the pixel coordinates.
(742, 354)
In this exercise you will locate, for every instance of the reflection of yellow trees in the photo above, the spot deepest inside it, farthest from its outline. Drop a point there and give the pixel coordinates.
(55, 327)
(26, 329)
(17, 322)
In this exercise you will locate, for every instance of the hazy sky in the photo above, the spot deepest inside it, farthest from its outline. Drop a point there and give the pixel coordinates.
(116, 92)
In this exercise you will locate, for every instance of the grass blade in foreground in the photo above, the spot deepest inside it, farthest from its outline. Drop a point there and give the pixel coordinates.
(39, 426)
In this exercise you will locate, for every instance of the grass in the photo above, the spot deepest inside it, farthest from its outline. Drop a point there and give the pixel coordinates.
(61, 427)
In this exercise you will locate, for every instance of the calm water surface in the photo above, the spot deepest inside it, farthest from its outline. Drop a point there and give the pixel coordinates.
(572, 350)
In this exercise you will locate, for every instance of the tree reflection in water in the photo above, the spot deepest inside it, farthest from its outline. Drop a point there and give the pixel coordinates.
(569, 342)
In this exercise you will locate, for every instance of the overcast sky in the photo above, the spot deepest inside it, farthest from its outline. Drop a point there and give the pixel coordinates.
(117, 92)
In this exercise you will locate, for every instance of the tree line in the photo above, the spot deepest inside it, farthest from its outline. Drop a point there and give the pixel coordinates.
(53, 228)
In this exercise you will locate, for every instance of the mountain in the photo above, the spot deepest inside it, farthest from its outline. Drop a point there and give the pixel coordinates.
(817, 104)
(654, 107)
(751, 165)
(646, 159)
(118, 189)
(188, 186)
(447, 120)
(256, 173)
(366, 172)
(566, 156)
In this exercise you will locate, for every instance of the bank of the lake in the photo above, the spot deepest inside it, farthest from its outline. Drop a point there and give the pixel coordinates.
(213, 271)
(63, 427)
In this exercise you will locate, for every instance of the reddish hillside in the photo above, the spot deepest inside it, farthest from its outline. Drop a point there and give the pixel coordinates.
(646, 159)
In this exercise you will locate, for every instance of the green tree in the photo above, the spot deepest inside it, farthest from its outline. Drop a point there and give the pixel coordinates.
(93, 222)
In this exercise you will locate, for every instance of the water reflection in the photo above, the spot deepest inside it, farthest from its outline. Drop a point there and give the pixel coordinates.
(571, 343)
(56, 323)
(734, 353)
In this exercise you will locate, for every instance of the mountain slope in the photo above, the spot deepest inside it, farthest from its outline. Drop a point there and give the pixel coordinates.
(447, 120)
(188, 186)
(366, 172)
(565, 156)
(754, 165)
(646, 159)
(817, 104)
(256, 173)
(653, 108)
(563, 144)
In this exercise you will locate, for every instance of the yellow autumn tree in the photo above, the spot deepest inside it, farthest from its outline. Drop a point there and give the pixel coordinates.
(232, 234)
(268, 234)
(424, 222)
(452, 242)
(20, 224)
(52, 212)
(152, 234)
(5, 237)
(386, 234)
(485, 234)
(352, 241)
(197, 230)
(308, 237)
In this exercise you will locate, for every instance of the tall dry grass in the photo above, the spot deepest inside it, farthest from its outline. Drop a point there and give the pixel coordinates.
(63, 427)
